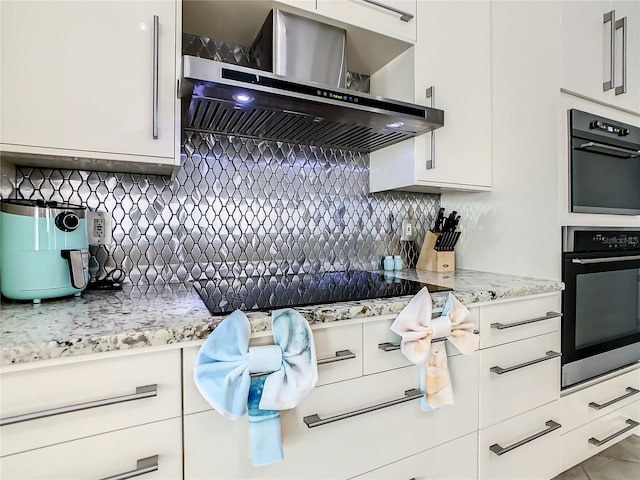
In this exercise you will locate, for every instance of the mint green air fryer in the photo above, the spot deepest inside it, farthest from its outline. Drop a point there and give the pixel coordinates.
(43, 249)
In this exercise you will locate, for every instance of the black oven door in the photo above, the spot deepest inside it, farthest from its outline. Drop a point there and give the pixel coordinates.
(601, 308)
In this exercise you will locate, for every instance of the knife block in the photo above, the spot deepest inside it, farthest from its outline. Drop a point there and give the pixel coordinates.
(432, 260)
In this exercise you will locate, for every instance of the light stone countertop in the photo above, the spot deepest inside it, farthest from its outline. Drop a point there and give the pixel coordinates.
(102, 321)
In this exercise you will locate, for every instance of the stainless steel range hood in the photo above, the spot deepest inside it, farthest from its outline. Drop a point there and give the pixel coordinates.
(291, 105)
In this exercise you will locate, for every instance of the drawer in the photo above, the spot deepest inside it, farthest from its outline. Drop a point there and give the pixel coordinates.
(597, 400)
(524, 447)
(586, 441)
(518, 376)
(328, 340)
(442, 463)
(113, 384)
(354, 444)
(519, 319)
(104, 455)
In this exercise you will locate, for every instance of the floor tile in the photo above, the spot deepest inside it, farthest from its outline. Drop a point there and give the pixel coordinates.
(605, 468)
(627, 449)
(575, 473)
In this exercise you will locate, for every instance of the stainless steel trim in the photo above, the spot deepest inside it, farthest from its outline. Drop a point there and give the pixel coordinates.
(631, 425)
(599, 102)
(431, 163)
(628, 151)
(622, 23)
(590, 367)
(548, 316)
(145, 391)
(404, 16)
(610, 17)
(551, 426)
(340, 356)
(314, 420)
(612, 211)
(143, 466)
(548, 356)
(156, 54)
(587, 261)
(630, 392)
(41, 211)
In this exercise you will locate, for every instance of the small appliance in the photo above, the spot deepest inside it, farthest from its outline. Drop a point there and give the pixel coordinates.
(44, 251)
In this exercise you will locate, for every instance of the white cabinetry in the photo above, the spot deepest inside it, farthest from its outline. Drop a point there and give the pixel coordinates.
(452, 54)
(591, 58)
(92, 80)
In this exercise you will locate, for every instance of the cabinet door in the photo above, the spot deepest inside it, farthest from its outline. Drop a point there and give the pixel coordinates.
(381, 16)
(78, 76)
(588, 63)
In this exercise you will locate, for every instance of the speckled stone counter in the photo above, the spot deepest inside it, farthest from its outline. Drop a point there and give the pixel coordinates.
(102, 321)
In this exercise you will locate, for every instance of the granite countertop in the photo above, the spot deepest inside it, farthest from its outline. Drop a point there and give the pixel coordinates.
(102, 321)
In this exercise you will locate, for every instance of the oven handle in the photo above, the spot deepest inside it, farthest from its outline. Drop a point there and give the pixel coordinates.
(586, 261)
(628, 151)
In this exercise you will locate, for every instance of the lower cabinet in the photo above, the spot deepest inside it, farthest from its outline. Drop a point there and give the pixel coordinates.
(216, 447)
(152, 450)
(455, 460)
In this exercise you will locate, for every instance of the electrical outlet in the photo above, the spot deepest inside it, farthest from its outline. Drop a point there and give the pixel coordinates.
(99, 228)
(408, 230)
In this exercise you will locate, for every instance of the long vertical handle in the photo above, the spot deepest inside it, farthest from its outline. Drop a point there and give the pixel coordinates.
(431, 163)
(156, 33)
(622, 23)
(610, 17)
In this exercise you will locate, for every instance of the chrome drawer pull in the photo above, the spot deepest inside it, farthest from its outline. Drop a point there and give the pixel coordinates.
(631, 391)
(404, 16)
(315, 420)
(390, 347)
(631, 425)
(548, 316)
(340, 356)
(548, 356)
(498, 450)
(144, 465)
(606, 18)
(141, 392)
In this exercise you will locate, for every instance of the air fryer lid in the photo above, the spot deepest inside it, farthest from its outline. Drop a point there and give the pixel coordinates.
(39, 208)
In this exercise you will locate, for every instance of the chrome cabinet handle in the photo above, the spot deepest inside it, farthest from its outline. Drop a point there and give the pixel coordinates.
(587, 261)
(606, 18)
(498, 450)
(548, 356)
(404, 16)
(628, 151)
(144, 465)
(431, 163)
(631, 425)
(340, 356)
(145, 391)
(548, 316)
(630, 392)
(314, 420)
(622, 23)
(388, 346)
(156, 30)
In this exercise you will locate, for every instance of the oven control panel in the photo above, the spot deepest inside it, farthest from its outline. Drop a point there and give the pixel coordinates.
(609, 128)
(603, 240)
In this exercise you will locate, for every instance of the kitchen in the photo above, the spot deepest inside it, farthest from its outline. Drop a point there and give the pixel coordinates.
(233, 205)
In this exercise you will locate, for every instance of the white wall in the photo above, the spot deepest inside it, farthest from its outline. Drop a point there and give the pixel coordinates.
(515, 228)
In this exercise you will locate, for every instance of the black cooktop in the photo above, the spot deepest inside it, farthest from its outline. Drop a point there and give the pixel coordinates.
(270, 292)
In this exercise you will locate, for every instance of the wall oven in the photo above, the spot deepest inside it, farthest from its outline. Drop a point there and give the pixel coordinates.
(601, 301)
(604, 166)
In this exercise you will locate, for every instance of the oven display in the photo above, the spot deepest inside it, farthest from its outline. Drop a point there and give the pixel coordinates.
(603, 241)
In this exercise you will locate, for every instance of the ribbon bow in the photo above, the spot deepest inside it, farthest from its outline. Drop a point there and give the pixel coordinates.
(225, 363)
(417, 329)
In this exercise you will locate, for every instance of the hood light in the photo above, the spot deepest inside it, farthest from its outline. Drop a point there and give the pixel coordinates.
(395, 125)
(243, 98)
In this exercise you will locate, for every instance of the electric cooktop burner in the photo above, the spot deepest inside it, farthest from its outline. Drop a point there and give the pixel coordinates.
(270, 292)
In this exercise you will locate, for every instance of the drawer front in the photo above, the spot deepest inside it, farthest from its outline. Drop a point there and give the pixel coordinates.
(506, 393)
(586, 441)
(328, 341)
(215, 444)
(528, 446)
(104, 455)
(113, 382)
(441, 463)
(516, 320)
(598, 400)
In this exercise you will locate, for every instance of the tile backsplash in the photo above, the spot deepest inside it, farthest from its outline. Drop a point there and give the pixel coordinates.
(239, 207)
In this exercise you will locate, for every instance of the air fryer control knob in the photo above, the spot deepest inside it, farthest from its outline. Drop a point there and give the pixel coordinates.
(67, 221)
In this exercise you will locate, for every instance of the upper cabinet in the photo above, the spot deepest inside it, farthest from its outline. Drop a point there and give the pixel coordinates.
(453, 55)
(92, 80)
(601, 51)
